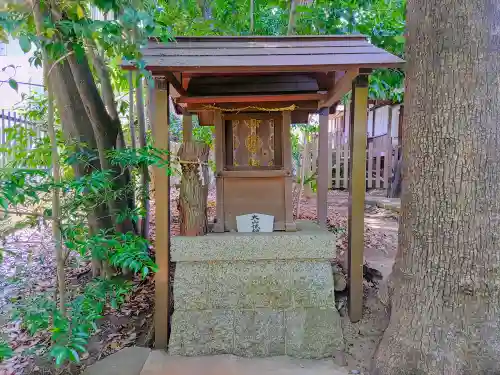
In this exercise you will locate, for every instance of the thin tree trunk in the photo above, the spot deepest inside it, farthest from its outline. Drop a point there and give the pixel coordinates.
(252, 11)
(445, 308)
(292, 19)
(56, 201)
(77, 129)
(144, 168)
(206, 8)
(131, 118)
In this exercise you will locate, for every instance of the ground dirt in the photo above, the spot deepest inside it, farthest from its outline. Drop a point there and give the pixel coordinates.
(381, 235)
(29, 269)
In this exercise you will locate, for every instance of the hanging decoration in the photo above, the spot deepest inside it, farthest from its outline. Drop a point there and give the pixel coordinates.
(292, 107)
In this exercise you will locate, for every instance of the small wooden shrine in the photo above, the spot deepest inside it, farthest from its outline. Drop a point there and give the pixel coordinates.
(252, 89)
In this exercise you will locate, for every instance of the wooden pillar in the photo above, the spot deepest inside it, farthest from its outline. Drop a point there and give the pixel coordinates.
(287, 165)
(323, 173)
(160, 128)
(187, 128)
(357, 182)
(219, 226)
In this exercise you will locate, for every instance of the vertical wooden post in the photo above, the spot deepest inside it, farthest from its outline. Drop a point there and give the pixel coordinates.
(219, 227)
(388, 154)
(369, 177)
(160, 127)
(347, 119)
(357, 180)
(331, 133)
(187, 128)
(322, 182)
(373, 123)
(345, 168)
(287, 165)
(306, 159)
(338, 152)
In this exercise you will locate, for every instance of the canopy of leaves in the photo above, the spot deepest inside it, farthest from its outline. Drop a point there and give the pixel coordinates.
(383, 21)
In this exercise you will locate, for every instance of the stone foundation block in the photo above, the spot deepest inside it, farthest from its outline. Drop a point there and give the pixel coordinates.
(313, 332)
(255, 295)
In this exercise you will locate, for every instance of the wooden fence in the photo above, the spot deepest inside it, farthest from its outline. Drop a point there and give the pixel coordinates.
(10, 120)
(381, 162)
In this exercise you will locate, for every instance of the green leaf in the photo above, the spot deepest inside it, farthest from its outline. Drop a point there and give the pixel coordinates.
(13, 84)
(5, 350)
(399, 39)
(25, 43)
(61, 356)
(73, 356)
(79, 12)
(79, 348)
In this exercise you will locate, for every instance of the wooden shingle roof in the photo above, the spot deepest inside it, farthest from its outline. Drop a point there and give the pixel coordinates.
(266, 54)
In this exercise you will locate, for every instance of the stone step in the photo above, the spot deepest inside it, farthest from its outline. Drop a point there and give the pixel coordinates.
(128, 361)
(160, 363)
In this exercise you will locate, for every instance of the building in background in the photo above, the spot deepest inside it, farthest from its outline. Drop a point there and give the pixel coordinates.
(15, 64)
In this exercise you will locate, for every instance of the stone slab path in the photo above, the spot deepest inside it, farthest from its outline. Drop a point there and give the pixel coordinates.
(143, 361)
(128, 361)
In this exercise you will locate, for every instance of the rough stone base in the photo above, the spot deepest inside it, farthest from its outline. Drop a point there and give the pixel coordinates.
(311, 332)
(264, 295)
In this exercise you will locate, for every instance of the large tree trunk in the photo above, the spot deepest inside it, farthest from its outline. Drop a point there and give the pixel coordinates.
(106, 130)
(193, 192)
(445, 313)
(81, 114)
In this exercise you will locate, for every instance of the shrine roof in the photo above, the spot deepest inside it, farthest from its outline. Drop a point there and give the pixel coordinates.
(233, 54)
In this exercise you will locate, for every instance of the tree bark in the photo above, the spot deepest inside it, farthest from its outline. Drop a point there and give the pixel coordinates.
(397, 182)
(193, 192)
(76, 111)
(445, 308)
(56, 172)
(144, 168)
(131, 117)
(106, 131)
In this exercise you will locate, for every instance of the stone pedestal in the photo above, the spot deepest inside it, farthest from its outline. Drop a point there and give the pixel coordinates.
(260, 294)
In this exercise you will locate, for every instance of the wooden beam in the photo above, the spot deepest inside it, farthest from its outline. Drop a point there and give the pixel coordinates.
(172, 79)
(159, 70)
(249, 98)
(219, 226)
(357, 183)
(185, 81)
(323, 173)
(341, 87)
(160, 128)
